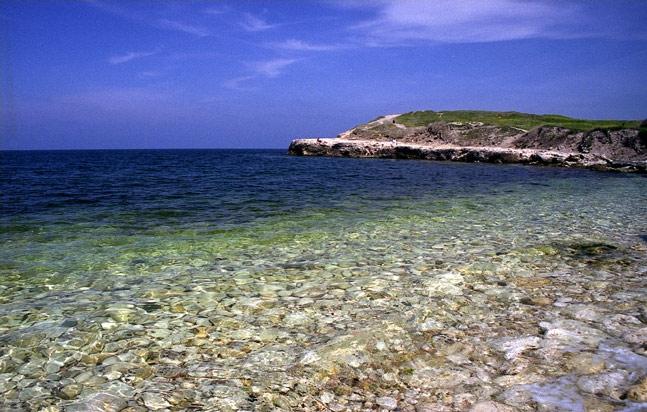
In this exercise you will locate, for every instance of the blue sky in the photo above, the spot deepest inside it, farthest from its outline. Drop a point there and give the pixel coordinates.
(197, 74)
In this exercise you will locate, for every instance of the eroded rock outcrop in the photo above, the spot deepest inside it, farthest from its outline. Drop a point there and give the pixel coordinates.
(603, 149)
(485, 154)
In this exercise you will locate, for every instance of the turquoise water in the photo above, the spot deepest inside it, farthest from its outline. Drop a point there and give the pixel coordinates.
(241, 262)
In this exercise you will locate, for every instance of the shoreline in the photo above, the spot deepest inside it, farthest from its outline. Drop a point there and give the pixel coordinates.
(336, 147)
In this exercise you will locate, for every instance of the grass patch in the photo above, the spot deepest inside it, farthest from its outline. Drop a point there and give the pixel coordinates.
(524, 121)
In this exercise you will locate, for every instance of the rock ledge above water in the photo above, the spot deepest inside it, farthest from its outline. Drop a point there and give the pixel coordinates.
(619, 148)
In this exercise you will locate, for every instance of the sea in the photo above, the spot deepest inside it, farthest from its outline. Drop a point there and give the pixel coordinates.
(207, 260)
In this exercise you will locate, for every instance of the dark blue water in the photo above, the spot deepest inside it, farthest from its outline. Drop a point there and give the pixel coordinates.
(233, 186)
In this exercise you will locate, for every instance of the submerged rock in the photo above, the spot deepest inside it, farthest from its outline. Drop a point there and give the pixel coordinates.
(638, 392)
(71, 391)
(611, 384)
(98, 402)
(491, 406)
(566, 333)
(513, 347)
(155, 401)
(445, 284)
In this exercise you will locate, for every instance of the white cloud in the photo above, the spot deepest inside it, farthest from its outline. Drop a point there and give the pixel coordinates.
(465, 21)
(266, 68)
(299, 45)
(273, 67)
(126, 57)
(184, 27)
(253, 23)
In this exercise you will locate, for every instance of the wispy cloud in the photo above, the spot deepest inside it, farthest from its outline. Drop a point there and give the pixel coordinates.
(126, 57)
(253, 23)
(466, 21)
(300, 45)
(129, 13)
(114, 10)
(273, 67)
(237, 82)
(184, 27)
(265, 68)
(216, 10)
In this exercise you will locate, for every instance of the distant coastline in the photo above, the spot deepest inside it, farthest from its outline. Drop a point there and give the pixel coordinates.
(491, 137)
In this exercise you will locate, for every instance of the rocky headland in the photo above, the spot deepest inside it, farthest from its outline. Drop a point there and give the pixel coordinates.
(491, 137)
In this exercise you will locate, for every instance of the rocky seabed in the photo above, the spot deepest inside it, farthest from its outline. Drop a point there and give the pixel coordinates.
(527, 303)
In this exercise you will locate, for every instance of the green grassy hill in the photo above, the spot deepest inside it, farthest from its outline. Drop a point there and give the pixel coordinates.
(524, 121)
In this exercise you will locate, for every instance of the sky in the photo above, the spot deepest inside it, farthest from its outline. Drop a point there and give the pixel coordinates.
(101, 74)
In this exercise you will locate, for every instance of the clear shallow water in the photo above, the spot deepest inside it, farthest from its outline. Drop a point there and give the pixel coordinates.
(240, 262)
